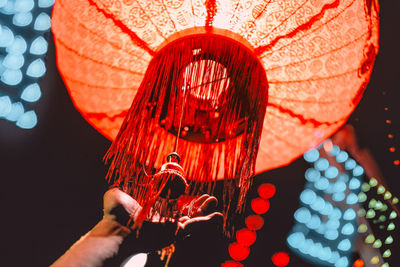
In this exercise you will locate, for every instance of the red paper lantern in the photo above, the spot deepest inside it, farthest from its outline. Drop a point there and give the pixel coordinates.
(317, 55)
(233, 80)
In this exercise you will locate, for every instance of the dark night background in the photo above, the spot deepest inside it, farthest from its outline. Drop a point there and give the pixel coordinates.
(52, 177)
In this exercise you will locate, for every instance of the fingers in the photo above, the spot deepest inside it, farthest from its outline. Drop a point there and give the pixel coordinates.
(187, 220)
(200, 205)
(207, 203)
(118, 203)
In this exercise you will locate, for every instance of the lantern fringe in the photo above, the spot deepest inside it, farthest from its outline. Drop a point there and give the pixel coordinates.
(217, 90)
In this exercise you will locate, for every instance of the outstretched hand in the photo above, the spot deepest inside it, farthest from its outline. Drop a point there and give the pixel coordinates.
(121, 207)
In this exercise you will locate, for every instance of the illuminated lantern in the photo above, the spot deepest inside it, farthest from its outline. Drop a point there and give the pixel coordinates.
(271, 78)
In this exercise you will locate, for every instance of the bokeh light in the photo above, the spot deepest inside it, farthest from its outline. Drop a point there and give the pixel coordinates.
(280, 259)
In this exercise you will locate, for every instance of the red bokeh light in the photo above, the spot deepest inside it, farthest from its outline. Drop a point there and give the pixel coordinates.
(246, 237)
(396, 162)
(280, 259)
(254, 222)
(259, 205)
(266, 191)
(358, 263)
(238, 252)
(231, 264)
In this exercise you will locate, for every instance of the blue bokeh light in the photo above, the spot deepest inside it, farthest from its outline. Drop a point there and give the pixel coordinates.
(338, 197)
(331, 172)
(352, 199)
(8, 8)
(11, 77)
(331, 234)
(38, 46)
(349, 214)
(308, 196)
(334, 151)
(334, 257)
(13, 61)
(296, 240)
(321, 229)
(344, 177)
(23, 5)
(332, 224)
(16, 111)
(18, 46)
(312, 175)
(31, 93)
(342, 156)
(314, 222)
(311, 155)
(327, 209)
(302, 215)
(306, 246)
(335, 214)
(28, 120)
(325, 254)
(322, 184)
(2, 68)
(354, 184)
(347, 229)
(358, 171)
(36, 69)
(339, 186)
(350, 164)
(342, 262)
(6, 37)
(318, 204)
(22, 19)
(5, 105)
(344, 245)
(321, 164)
(42, 22)
(3, 3)
(46, 3)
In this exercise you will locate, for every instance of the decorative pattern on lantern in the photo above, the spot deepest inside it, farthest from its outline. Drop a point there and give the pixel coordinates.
(202, 67)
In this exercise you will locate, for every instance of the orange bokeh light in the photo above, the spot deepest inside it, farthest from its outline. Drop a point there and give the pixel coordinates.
(358, 263)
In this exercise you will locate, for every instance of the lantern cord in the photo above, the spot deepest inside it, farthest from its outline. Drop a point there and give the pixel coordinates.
(180, 120)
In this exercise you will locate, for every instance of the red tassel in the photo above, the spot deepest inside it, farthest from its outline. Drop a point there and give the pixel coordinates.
(222, 90)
